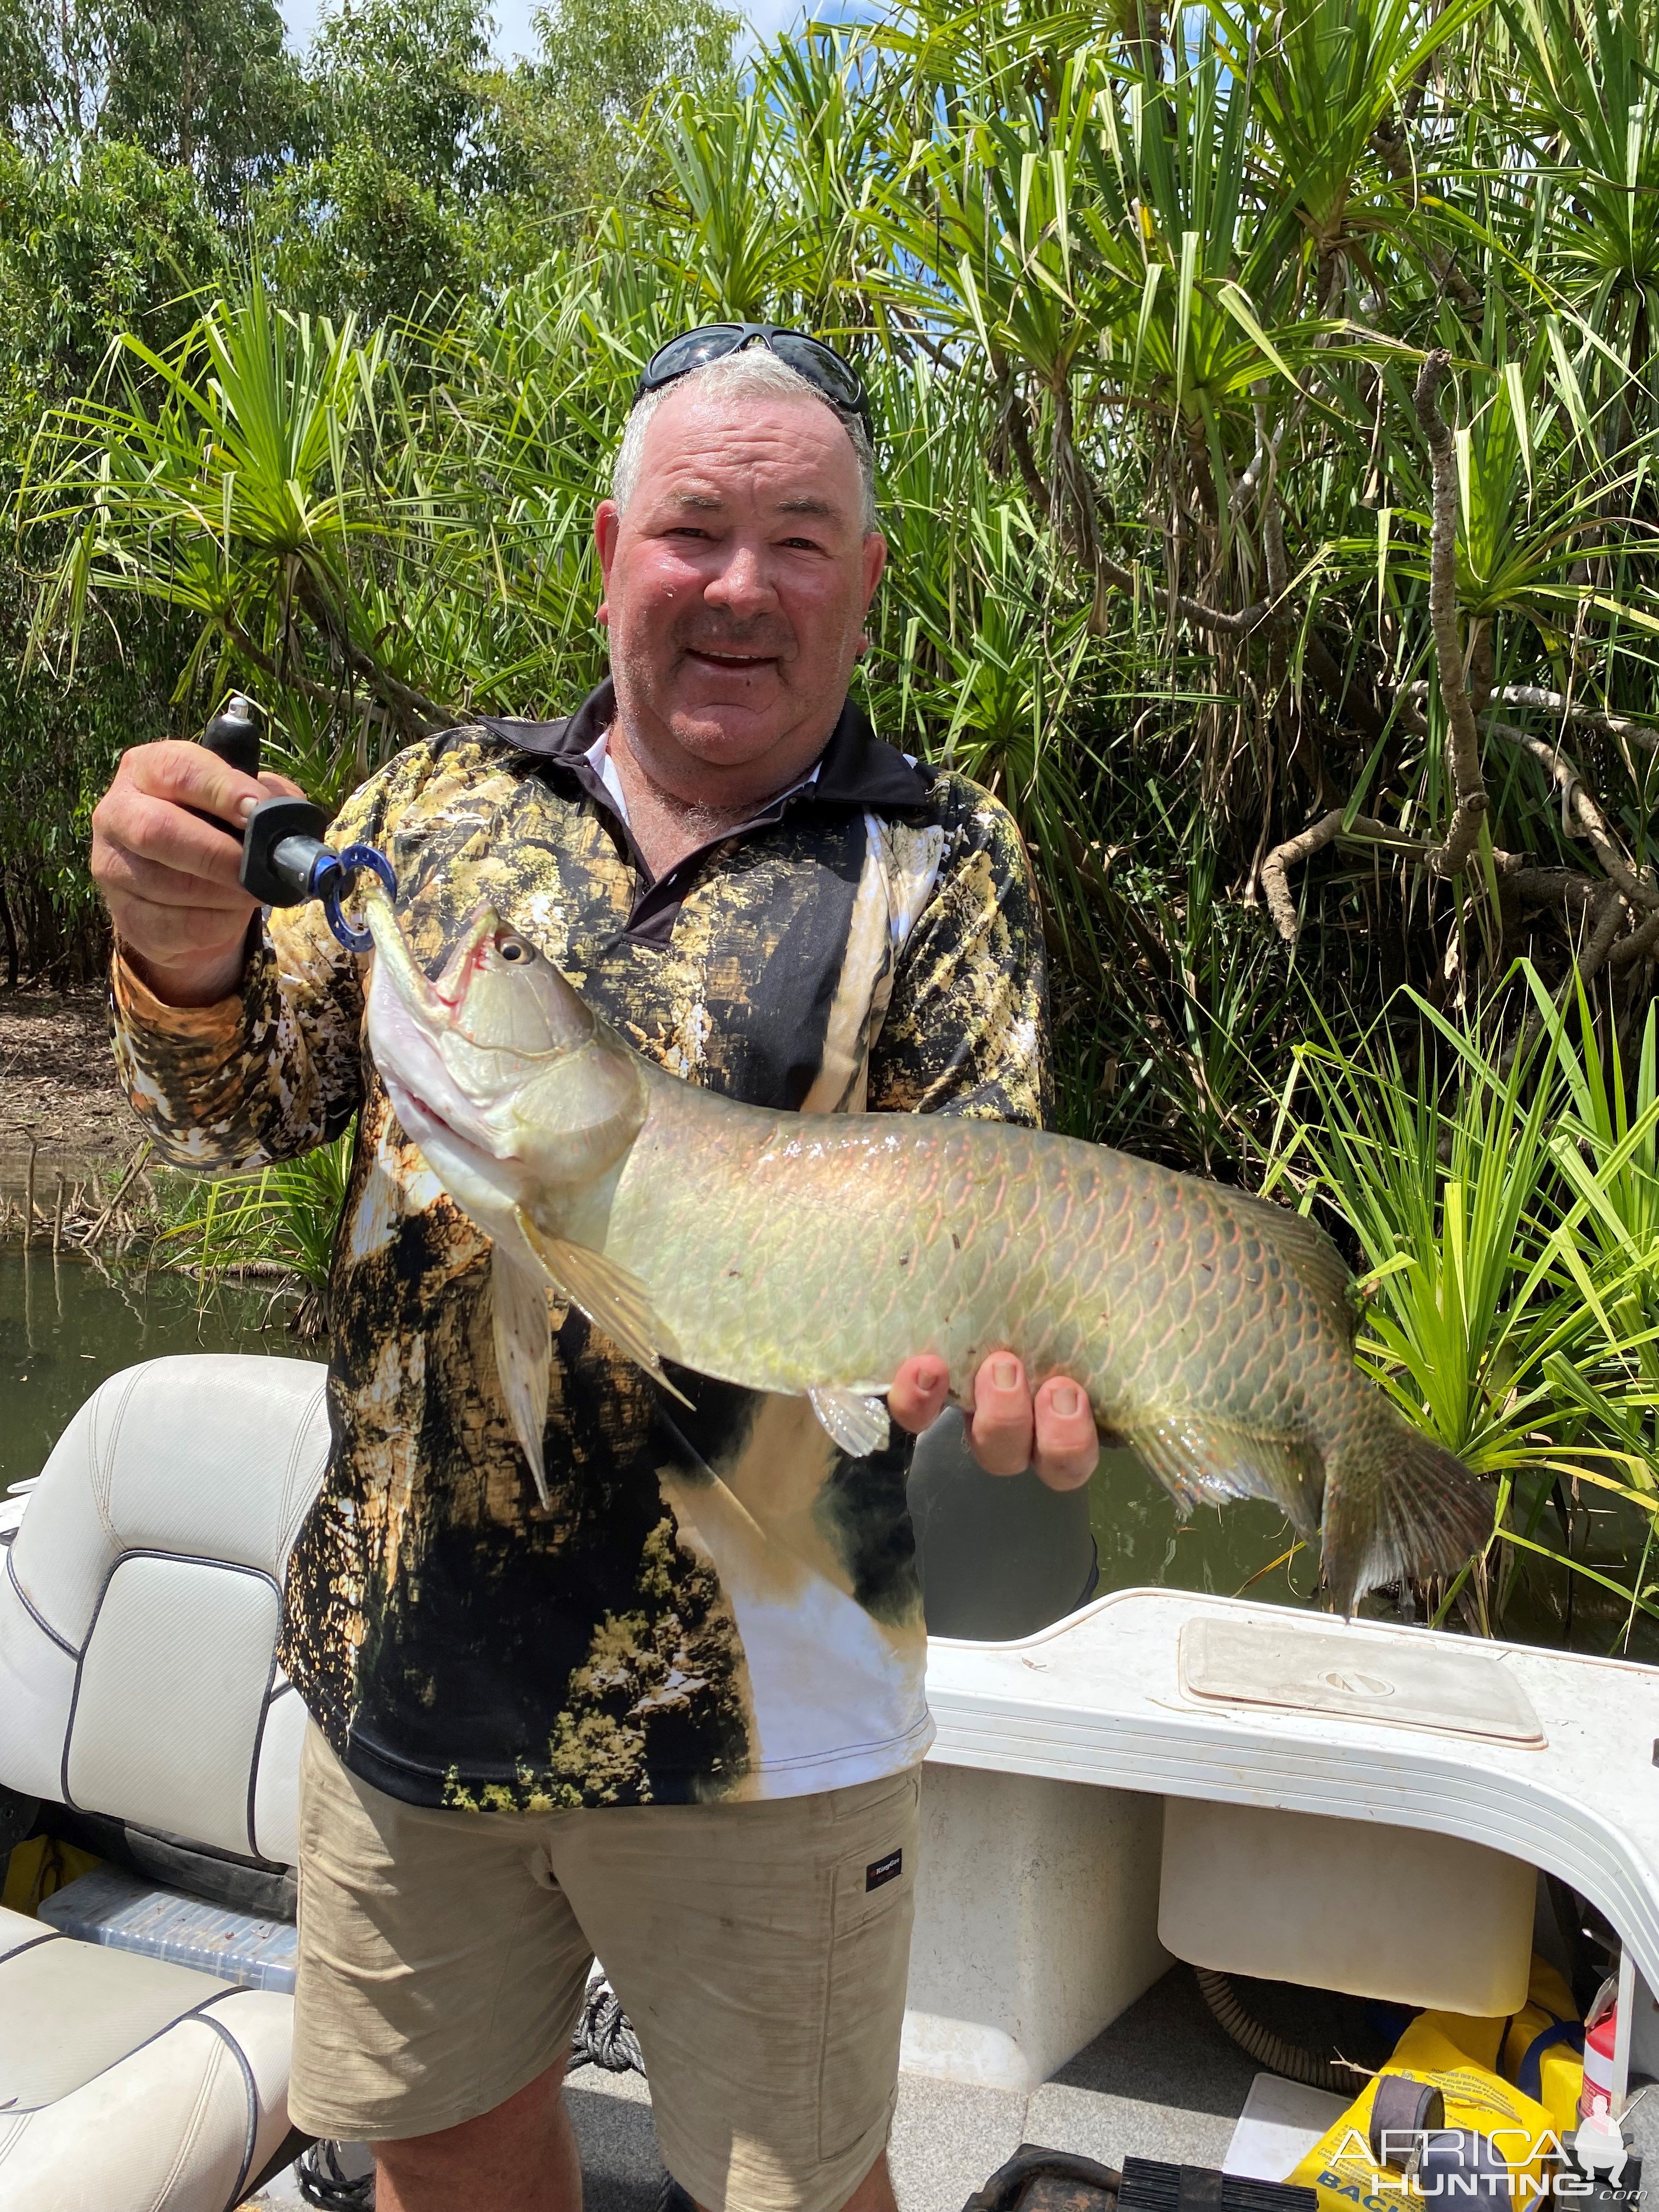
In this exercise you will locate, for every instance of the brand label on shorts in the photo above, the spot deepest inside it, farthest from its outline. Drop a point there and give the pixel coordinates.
(881, 1870)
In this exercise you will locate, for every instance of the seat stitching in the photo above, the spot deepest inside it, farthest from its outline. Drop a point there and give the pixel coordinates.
(249, 2091)
(53, 1936)
(102, 1472)
(289, 1529)
(259, 1748)
(187, 2136)
(33, 1611)
(233, 1989)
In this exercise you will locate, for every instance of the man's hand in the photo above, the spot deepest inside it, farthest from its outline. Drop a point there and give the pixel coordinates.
(1009, 1429)
(170, 881)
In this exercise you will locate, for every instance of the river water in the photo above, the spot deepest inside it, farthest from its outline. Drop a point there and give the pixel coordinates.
(64, 1327)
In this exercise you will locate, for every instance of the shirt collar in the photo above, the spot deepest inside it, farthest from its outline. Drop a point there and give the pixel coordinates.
(599, 759)
(855, 769)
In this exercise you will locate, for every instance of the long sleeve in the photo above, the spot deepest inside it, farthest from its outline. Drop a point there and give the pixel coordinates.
(967, 1028)
(276, 1068)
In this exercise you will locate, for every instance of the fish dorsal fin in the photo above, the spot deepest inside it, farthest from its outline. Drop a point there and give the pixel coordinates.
(1203, 1462)
(857, 1423)
(1308, 1250)
(613, 1299)
(524, 1347)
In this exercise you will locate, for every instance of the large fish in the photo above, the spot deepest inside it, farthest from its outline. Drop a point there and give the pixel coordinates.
(813, 1254)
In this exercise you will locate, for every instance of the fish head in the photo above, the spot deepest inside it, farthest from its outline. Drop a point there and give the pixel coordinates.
(496, 1068)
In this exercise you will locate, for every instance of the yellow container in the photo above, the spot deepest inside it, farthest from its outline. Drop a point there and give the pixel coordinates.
(1435, 2048)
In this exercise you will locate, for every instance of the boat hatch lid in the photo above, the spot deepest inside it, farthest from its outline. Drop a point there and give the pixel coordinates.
(1330, 1671)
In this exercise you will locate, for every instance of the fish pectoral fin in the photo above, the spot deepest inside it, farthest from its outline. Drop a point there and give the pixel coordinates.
(524, 1348)
(857, 1423)
(1203, 1462)
(613, 1299)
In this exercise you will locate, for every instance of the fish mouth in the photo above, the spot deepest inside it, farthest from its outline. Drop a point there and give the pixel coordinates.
(431, 1107)
(431, 1003)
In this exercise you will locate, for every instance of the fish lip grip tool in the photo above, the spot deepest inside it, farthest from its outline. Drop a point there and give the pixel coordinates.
(284, 859)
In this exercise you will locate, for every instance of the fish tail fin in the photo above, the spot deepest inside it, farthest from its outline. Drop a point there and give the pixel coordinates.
(1397, 1504)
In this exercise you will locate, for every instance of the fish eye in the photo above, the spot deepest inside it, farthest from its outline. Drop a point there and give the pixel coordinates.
(516, 950)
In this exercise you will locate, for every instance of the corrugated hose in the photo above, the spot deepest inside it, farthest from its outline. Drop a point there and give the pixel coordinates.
(1275, 2051)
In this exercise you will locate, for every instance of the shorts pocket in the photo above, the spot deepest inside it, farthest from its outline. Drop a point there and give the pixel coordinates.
(873, 1906)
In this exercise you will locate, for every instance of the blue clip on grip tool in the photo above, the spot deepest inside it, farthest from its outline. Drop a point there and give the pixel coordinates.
(284, 859)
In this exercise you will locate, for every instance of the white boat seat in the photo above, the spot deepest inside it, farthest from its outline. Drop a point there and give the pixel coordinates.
(139, 1603)
(130, 2082)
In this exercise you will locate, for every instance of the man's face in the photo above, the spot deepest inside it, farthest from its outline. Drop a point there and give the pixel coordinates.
(736, 587)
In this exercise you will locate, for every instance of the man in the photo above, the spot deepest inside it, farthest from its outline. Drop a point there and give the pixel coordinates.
(677, 1719)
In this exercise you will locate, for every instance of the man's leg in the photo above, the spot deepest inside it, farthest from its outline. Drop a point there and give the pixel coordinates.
(762, 1951)
(522, 2157)
(873, 2194)
(441, 1974)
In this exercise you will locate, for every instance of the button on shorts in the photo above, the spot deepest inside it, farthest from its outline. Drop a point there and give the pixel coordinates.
(761, 1950)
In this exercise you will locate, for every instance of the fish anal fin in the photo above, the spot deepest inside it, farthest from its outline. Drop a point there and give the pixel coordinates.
(524, 1347)
(613, 1299)
(855, 1421)
(1202, 1461)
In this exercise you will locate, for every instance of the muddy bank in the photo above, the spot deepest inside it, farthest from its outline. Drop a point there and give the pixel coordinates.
(57, 1087)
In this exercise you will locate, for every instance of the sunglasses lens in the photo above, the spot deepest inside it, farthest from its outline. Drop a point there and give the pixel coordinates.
(833, 376)
(691, 350)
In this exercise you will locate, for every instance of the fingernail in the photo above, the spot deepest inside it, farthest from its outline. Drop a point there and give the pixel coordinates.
(1066, 1399)
(932, 1376)
(1005, 1373)
(244, 807)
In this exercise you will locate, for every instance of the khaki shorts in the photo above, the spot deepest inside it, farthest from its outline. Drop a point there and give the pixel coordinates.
(761, 1951)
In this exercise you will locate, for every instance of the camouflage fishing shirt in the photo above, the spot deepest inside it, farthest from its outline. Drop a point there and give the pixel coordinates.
(719, 1601)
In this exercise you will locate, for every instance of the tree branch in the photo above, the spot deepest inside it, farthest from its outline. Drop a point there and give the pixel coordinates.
(423, 715)
(1329, 829)
(1388, 143)
(1464, 749)
(1578, 805)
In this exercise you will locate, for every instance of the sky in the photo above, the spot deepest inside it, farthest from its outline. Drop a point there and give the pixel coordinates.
(513, 36)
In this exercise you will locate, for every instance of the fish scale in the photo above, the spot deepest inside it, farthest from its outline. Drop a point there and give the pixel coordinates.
(1211, 1330)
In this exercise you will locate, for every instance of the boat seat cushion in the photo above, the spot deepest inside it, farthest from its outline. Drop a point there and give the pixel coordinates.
(140, 1600)
(127, 2084)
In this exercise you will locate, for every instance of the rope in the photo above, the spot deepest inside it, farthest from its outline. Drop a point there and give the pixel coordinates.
(1276, 2052)
(322, 2181)
(604, 2036)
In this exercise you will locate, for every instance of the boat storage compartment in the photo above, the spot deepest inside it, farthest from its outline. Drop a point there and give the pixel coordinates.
(1398, 1913)
(1406, 1914)
(1036, 1920)
(1356, 1805)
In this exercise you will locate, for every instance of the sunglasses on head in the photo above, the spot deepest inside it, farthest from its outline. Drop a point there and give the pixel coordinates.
(832, 378)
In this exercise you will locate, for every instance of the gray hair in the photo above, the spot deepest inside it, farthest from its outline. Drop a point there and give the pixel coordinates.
(754, 370)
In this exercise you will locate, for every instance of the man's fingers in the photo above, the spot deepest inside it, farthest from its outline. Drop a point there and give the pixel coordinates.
(132, 820)
(917, 1396)
(1068, 1447)
(189, 776)
(168, 935)
(125, 874)
(1000, 1429)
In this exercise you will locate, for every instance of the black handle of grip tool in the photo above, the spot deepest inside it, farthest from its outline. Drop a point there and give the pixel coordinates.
(284, 859)
(282, 837)
(233, 736)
